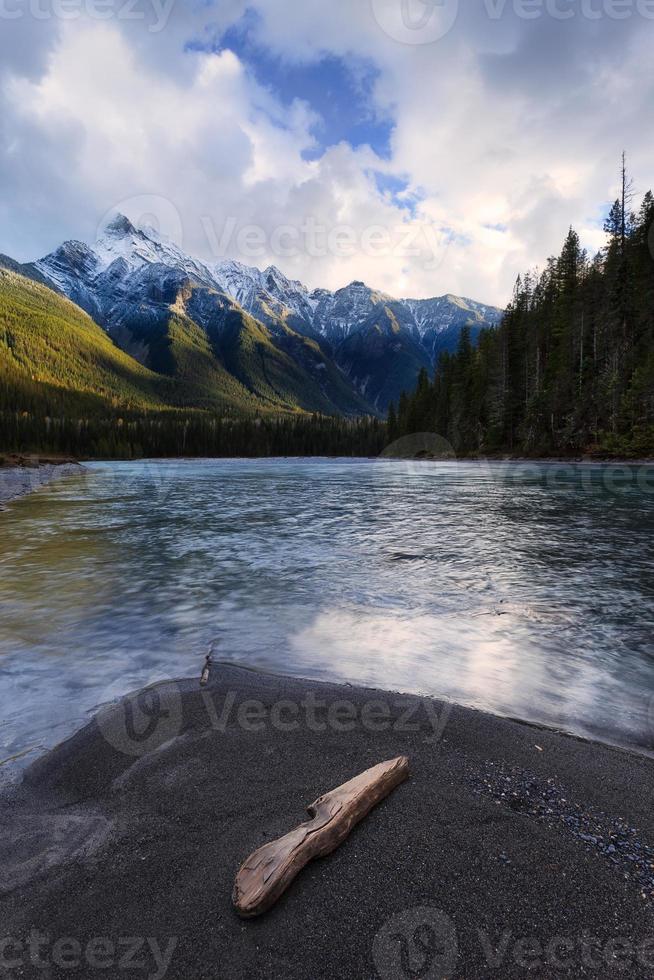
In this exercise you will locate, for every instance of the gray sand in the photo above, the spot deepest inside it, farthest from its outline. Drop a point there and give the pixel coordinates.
(511, 851)
(17, 481)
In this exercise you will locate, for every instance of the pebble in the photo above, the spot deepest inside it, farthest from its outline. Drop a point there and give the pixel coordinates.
(527, 794)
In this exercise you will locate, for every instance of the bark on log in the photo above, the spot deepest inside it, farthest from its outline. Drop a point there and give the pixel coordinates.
(267, 873)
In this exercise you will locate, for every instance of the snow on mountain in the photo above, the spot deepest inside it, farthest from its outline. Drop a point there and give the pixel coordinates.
(376, 341)
(80, 270)
(444, 311)
(265, 294)
(139, 248)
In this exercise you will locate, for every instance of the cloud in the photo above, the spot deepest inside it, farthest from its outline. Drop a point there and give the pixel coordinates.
(504, 132)
(222, 153)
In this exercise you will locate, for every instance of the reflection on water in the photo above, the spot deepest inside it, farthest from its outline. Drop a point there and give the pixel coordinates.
(527, 592)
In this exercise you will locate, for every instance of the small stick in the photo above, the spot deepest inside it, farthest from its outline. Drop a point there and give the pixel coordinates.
(208, 664)
(267, 873)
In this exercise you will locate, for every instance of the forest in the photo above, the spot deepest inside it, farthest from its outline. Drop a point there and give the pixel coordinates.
(66, 388)
(570, 370)
(196, 434)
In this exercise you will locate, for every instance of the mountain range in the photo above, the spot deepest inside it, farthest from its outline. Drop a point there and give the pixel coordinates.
(227, 336)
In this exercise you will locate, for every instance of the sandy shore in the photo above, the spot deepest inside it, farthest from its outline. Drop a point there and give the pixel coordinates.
(30, 474)
(510, 852)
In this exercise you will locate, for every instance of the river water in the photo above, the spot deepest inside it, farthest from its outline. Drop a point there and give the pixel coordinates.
(525, 590)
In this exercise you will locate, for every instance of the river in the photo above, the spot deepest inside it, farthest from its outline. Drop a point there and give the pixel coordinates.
(523, 589)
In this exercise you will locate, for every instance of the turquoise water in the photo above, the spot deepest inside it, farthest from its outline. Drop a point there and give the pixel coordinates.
(524, 590)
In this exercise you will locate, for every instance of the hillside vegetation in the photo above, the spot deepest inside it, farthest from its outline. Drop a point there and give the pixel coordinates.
(53, 354)
(571, 367)
(66, 387)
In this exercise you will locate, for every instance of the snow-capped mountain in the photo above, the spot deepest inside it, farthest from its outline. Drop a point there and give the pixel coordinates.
(379, 343)
(266, 294)
(336, 315)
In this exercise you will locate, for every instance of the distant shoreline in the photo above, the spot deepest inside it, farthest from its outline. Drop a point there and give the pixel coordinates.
(20, 475)
(36, 460)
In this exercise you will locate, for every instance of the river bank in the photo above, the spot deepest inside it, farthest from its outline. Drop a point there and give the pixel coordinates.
(511, 851)
(20, 475)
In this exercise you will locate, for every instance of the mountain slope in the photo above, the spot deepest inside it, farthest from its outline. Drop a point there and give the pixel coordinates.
(184, 346)
(50, 347)
(380, 356)
(46, 340)
(350, 352)
(335, 316)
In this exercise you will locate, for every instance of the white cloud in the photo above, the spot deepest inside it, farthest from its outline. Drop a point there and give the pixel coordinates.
(508, 130)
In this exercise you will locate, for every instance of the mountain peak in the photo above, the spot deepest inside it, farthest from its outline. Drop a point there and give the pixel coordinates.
(377, 344)
(120, 226)
(275, 277)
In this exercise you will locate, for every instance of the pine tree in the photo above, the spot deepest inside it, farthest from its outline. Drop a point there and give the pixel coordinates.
(571, 366)
(393, 429)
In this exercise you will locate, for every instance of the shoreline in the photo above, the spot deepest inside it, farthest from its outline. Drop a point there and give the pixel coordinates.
(35, 461)
(137, 824)
(22, 475)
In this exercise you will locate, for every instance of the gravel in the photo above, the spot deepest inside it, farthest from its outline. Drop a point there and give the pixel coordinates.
(549, 802)
(18, 481)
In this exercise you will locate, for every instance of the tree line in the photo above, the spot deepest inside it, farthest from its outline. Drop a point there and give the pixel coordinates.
(188, 435)
(37, 416)
(570, 369)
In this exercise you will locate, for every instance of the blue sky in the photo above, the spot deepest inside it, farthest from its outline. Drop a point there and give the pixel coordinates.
(424, 148)
(338, 89)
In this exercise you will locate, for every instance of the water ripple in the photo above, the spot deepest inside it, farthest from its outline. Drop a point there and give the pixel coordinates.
(516, 594)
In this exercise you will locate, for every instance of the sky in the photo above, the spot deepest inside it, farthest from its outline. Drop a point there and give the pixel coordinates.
(423, 146)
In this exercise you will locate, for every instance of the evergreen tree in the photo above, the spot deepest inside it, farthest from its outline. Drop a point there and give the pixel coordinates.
(570, 368)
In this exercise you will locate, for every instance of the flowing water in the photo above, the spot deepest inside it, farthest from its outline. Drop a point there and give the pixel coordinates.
(527, 591)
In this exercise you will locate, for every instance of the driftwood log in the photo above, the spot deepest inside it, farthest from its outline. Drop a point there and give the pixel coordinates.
(267, 873)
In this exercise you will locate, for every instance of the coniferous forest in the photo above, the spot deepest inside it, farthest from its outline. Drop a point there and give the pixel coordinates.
(183, 435)
(570, 370)
(66, 388)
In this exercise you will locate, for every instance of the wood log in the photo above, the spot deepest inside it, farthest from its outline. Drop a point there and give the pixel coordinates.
(267, 873)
